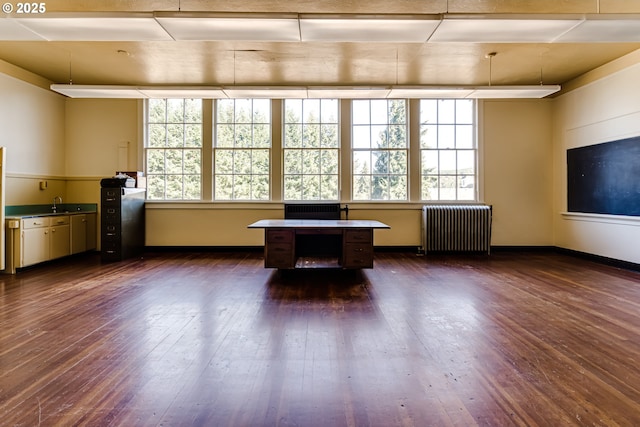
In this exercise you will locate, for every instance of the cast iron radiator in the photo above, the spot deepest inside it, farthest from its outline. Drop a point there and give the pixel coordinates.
(456, 228)
(312, 211)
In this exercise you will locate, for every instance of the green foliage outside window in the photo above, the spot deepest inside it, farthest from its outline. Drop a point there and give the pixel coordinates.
(380, 150)
(174, 149)
(242, 149)
(311, 149)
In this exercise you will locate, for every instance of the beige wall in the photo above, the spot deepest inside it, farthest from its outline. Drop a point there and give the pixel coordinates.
(604, 110)
(33, 132)
(101, 136)
(518, 173)
(226, 225)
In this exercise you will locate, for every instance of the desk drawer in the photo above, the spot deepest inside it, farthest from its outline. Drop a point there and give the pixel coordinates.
(357, 255)
(279, 255)
(358, 236)
(279, 236)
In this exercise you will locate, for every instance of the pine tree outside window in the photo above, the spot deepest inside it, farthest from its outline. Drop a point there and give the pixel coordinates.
(311, 149)
(380, 150)
(242, 147)
(174, 149)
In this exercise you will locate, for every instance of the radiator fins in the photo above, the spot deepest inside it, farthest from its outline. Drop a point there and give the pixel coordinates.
(456, 228)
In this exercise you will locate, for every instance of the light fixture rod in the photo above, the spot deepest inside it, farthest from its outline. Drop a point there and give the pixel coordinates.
(490, 55)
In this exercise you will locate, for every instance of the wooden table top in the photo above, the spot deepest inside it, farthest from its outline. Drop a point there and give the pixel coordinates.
(318, 223)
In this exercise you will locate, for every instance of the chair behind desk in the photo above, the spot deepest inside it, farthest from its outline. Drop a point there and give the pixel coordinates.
(312, 211)
(316, 245)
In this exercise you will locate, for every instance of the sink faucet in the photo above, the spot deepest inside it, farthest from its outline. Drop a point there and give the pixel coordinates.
(54, 207)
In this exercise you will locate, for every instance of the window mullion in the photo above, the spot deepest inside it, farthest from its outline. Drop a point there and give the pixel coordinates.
(415, 176)
(206, 171)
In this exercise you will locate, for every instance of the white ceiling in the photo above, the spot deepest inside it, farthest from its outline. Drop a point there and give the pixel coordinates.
(319, 43)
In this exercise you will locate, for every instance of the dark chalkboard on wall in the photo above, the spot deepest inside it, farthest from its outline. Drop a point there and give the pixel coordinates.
(605, 178)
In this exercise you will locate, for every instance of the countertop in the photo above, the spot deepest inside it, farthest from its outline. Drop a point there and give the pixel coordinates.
(34, 211)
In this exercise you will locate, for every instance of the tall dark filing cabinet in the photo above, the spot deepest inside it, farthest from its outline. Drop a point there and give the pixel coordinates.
(122, 220)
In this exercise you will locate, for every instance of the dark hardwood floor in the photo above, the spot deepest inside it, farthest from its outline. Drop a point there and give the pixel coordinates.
(214, 339)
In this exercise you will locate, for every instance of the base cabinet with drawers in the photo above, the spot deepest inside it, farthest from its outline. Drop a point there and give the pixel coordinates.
(34, 242)
(35, 239)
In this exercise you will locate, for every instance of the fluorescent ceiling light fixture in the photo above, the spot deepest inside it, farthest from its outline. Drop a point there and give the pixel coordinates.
(275, 92)
(351, 92)
(502, 28)
(95, 26)
(230, 26)
(138, 92)
(97, 91)
(197, 92)
(11, 30)
(604, 28)
(400, 92)
(312, 92)
(488, 92)
(368, 28)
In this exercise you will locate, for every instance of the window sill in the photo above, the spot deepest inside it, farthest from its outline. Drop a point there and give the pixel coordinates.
(270, 205)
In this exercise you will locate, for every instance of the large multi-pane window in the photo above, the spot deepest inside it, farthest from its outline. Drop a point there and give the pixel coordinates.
(311, 149)
(242, 147)
(174, 149)
(226, 155)
(380, 149)
(448, 149)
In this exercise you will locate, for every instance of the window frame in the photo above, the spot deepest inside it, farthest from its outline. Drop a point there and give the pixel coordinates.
(454, 150)
(148, 148)
(371, 124)
(259, 153)
(320, 148)
(345, 173)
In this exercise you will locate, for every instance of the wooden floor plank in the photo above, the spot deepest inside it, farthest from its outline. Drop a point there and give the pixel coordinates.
(213, 338)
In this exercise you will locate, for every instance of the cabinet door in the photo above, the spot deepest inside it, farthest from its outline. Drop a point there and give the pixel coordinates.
(78, 233)
(35, 246)
(91, 231)
(60, 241)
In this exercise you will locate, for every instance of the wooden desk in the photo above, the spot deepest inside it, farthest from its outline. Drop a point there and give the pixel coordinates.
(312, 243)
